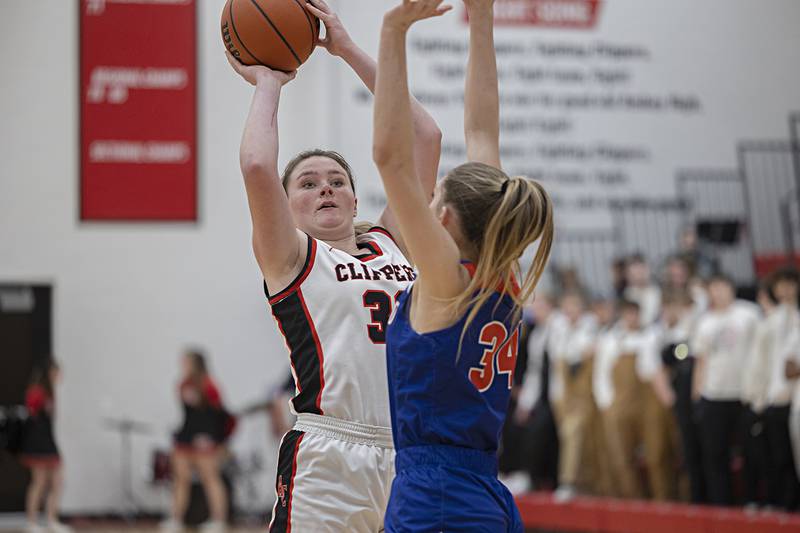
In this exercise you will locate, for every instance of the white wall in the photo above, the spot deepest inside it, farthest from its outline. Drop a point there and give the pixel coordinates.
(128, 297)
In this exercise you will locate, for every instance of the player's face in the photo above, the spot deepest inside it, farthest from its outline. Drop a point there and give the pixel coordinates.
(322, 201)
(443, 213)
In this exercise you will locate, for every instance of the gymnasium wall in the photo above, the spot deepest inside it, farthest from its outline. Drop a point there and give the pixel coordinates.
(129, 297)
(633, 114)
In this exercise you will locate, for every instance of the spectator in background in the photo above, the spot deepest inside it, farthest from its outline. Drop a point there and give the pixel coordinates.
(277, 407)
(659, 433)
(39, 452)
(793, 374)
(677, 324)
(604, 312)
(641, 289)
(513, 450)
(618, 281)
(568, 281)
(199, 445)
(677, 274)
(755, 384)
(678, 277)
(570, 346)
(533, 412)
(722, 345)
(701, 260)
(781, 326)
(617, 392)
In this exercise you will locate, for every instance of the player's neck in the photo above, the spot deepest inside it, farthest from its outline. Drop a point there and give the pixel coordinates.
(347, 244)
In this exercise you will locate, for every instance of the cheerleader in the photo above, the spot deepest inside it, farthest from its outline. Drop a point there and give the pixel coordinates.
(199, 444)
(39, 452)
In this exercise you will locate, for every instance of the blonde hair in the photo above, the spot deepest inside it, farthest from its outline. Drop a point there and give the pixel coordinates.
(499, 217)
(361, 228)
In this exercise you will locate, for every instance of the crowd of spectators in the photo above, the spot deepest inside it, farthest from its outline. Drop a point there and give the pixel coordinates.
(670, 387)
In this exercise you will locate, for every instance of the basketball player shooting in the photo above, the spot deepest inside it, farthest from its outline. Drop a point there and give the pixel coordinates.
(331, 289)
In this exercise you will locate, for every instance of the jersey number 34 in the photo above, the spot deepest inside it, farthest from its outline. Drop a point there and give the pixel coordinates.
(499, 356)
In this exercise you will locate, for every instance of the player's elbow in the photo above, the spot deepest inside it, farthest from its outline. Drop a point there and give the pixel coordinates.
(430, 134)
(255, 167)
(383, 155)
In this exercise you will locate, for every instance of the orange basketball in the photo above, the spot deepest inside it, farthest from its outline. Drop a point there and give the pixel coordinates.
(279, 34)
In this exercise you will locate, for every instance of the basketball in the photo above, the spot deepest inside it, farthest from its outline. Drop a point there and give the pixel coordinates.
(279, 34)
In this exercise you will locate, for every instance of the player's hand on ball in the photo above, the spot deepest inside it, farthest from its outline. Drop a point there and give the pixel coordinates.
(411, 11)
(336, 38)
(252, 74)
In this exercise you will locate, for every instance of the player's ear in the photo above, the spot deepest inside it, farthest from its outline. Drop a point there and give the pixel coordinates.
(445, 215)
(355, 208)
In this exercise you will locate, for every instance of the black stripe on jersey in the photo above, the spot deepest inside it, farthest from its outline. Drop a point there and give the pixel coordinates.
(305, 351)
(311, 254)
(284, 484)
(373, 249)
(378, 229)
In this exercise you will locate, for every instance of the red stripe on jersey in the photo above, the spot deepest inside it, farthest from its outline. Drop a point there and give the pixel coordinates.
(471, 268)
(377, 252)
(320, 355)
(312, 254)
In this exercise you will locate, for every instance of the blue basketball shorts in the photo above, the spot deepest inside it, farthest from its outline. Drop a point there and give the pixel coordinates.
(445, 488)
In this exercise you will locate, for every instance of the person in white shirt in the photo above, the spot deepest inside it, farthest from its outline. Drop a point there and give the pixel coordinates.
(755, 385)
(535, 383)
(570, 346)
(792, 372)
(641, 289)
(781, 328)
(617, 391)
(722, 345)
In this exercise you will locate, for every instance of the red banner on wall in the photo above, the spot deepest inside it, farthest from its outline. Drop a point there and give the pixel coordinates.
(577, 14)
(138, 110)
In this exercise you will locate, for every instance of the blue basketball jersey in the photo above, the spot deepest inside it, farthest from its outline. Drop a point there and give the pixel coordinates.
(439, 396)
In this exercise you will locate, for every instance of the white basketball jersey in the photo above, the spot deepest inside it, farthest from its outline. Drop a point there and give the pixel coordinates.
(333, 318)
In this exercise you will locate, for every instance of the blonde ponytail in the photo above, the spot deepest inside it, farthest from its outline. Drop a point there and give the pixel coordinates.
(501, 217)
